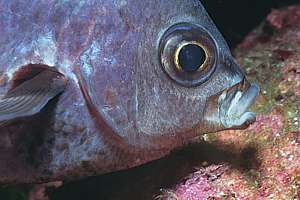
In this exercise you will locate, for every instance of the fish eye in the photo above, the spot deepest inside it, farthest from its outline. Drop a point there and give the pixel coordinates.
(188, 54)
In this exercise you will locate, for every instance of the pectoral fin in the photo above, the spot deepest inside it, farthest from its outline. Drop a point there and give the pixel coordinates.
(31, 96)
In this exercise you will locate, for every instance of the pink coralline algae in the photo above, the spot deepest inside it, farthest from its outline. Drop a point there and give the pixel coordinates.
(297, 37)
(279, 19)
(272, 123)
(291, 75)
(199, 185)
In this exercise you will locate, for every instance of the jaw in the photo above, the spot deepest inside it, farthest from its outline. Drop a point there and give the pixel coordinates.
(229, 109)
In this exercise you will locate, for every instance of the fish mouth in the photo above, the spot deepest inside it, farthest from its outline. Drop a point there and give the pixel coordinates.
(235, 103)
(230, 108)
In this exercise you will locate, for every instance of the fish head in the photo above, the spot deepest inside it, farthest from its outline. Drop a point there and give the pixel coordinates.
(166, 74)
(213, 92)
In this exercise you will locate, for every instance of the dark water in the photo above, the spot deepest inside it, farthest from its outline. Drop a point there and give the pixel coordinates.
(235, 18)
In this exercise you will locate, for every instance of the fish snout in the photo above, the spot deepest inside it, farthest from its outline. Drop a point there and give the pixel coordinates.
(229, 109)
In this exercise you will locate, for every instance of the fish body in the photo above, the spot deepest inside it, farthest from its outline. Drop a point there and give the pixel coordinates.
(122, 98)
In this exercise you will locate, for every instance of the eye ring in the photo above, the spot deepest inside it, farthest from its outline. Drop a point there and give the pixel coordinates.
(184, 44)
(174, 40)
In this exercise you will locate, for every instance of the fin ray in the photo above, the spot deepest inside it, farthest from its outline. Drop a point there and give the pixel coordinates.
(32, 96)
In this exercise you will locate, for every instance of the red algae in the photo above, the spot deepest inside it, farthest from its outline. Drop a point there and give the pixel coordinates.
(280, 19)
(272, 123)
(291, 75)
(199, 184)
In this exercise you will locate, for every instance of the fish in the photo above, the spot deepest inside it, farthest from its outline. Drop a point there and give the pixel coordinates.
(97, 86)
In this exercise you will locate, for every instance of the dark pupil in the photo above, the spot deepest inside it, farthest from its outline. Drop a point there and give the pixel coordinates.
(191, 57)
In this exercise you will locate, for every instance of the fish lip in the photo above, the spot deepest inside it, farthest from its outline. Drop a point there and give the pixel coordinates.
(234, 104)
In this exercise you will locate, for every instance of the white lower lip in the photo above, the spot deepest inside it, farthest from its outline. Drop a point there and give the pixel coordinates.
(234, 112)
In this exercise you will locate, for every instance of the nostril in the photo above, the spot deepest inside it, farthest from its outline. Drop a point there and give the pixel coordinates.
(244, 85)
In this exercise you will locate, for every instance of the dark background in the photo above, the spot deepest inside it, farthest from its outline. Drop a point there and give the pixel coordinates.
(235, 19)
